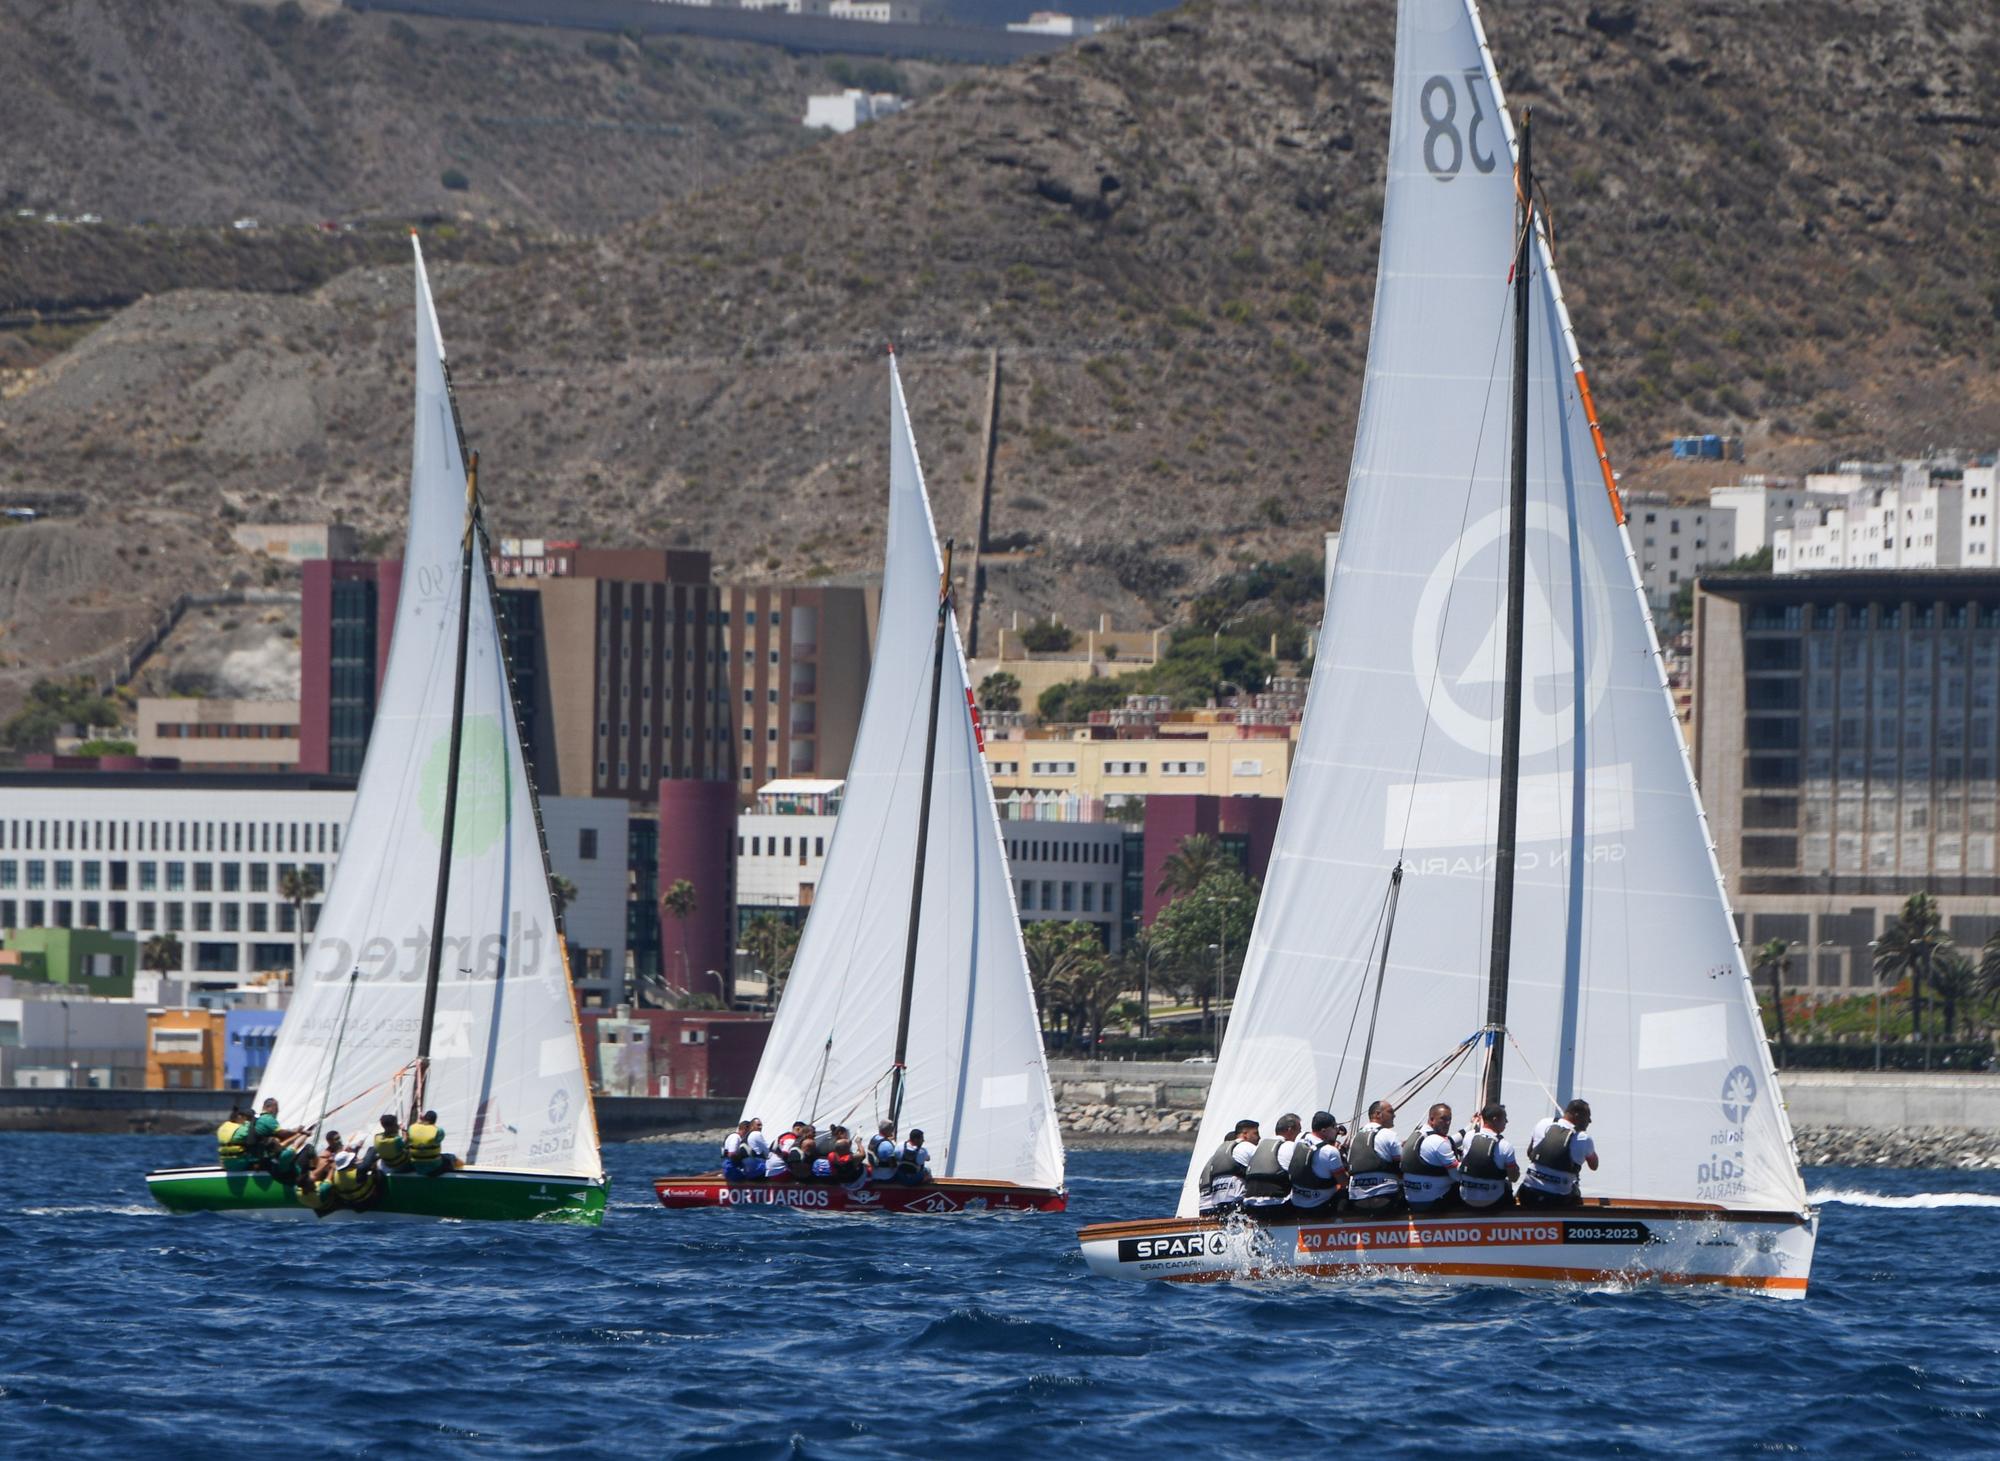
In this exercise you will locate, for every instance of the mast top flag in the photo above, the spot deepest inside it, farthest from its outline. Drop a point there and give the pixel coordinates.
(1627, 986)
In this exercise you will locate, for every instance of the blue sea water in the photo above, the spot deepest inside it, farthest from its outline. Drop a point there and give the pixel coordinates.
(124, 1331)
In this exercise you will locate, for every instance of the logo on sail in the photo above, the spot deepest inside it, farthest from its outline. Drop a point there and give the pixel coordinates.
(483, 786)
(1462, 676)
(1739, 1094)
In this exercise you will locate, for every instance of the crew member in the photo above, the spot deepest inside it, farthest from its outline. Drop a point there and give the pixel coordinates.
(735, 1152)
(883, 1151)
(232, 1140)
(913, 1162)
(792, 1148)
(1315, 1166)
(391, 1149)
(266, 1136)
(1558, 1151)
(317, 1177)
(1489, 1164)
(1430, 1163)
(844, 1165)
(348, 1183)
(1220, 1189)
(756, 1151)
(1374, 1174)
(425, 1145)
(1267, 1176)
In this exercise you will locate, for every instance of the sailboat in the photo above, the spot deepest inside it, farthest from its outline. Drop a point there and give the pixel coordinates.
(1492, 877)
(909, 1000)
(437, 978)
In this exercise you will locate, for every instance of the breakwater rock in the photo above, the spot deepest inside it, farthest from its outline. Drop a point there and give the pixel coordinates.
(1930, 1147)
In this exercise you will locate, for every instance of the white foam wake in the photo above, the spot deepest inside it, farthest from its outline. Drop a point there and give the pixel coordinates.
(1853, 1197)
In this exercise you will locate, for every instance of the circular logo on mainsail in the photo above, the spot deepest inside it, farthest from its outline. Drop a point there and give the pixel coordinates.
(558, 1106)
(1463, 654)
(482, 786)
(1739, 1094)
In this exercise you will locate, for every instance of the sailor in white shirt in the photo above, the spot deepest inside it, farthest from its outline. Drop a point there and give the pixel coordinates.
(756, 1151)
(1221, 1184)
(1315, 1166)
(1430, 1163)
(1559, 1150)
(1374, 1181)
(1488, 1163)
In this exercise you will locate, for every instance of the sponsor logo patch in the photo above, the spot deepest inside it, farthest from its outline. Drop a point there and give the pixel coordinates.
(1172, 1245)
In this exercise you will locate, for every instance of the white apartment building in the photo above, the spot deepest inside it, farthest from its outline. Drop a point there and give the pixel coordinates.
(846, 110)
(1761, 506)
(878, 12)
(1979, 536)
(781, 846)
(202, 856)
(1056, 23)
(1676, 541)
(1876, 515)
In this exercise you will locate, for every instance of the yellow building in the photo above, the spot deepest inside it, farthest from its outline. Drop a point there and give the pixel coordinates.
(184, 1049)
(1190, 759)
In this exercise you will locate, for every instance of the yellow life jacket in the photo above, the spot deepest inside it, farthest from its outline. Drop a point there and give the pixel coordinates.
(349, 1180)
(230, 1138)
(391, 1150)
(426, 1142)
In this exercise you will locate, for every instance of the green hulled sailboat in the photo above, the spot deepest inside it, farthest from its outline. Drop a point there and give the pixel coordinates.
(436, 977)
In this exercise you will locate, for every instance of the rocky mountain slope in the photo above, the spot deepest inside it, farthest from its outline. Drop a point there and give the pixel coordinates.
(1772, 220)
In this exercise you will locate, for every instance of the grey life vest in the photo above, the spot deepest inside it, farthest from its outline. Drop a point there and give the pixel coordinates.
(1304, 1178)
(1552, 1151)
(1265, 1176)
(1222, 1164)
(1414, 1163)
(1363, 1158)
(1479, 1164)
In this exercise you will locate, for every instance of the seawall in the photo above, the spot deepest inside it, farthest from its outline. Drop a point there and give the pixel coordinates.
(1841, 1118)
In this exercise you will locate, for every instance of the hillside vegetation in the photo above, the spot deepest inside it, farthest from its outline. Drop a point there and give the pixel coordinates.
(1773, 220)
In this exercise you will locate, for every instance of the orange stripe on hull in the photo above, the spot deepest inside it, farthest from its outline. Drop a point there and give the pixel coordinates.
(1522, 1270)
(1597, 440)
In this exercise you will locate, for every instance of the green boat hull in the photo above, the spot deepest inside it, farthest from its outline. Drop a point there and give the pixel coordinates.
(472, 1194)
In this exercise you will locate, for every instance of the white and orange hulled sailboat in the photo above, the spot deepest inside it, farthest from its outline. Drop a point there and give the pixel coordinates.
(909, 998)
(1492, 879)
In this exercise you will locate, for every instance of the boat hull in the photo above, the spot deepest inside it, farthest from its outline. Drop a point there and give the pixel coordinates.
(945, 1195)
(471, 1193)
(1612, 1242)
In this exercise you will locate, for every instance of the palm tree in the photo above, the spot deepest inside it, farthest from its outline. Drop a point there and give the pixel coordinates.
(679, 900)
(771, 944)
(1057, 954)
(162, 953)
(1187, 865)
(298, 886)
(562, 892)
(1954, 978)
(1775, 957)
(1989, 969)
(1911, 944)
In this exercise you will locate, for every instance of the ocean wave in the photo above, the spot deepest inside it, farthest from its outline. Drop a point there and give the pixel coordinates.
(1855, 1197)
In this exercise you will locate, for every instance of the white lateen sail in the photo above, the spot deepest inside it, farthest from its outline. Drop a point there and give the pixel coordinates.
(507, 1076)
(978, 1085)
(1627, 985)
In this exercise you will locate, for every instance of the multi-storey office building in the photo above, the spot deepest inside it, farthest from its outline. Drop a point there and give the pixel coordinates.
(202, 856)
(1847, 735)
(798, 669)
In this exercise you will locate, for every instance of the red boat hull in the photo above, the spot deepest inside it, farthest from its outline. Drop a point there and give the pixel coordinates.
(945, 1195)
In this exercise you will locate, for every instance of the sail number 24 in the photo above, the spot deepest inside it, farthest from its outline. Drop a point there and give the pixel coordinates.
(1445, 150)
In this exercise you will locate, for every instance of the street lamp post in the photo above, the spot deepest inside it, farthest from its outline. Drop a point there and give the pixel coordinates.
(1221, 953)
(1146, 993)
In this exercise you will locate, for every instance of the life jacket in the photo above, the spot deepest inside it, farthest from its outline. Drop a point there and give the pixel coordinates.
(1304, 1178)
(1222, 1164)
(1414, 1162)
(884, 1151)
(232, 1141)
(1265, 1177)
(1478, 1163)
(909, 1164)
(1362, 1158)
(424, 1142)
(391, 1150)
(349, 1181)
(844, 1167)
(1552, 1151)
(734, 1153)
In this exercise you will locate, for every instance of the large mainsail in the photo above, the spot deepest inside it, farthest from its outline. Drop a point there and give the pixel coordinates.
(1627, 984)
(506, 1075)
(977, 1086)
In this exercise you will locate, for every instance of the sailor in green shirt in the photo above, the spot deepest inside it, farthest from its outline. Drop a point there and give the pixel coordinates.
(265, 1143)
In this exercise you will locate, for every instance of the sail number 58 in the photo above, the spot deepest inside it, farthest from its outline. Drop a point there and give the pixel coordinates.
(1445, 150)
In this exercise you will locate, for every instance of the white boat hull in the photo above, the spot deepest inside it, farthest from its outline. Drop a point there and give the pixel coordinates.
(1624, 1244)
